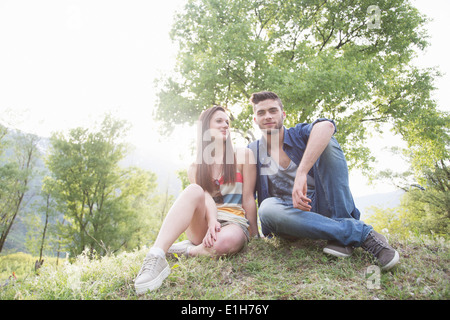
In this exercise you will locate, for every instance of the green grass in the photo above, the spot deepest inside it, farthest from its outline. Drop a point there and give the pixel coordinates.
(22, 264)
(267, 269)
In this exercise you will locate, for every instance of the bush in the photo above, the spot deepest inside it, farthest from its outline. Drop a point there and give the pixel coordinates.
(420, 212)
(20, 263)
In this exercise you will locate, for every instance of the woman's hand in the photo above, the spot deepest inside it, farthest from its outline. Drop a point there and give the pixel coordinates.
(211, 234)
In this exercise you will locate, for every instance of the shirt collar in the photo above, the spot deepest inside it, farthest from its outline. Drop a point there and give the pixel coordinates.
(287, 138)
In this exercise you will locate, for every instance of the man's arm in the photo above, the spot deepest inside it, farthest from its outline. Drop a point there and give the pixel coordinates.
(319, 138)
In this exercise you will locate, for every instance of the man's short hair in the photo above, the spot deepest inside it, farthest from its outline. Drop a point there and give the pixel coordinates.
(257, 97)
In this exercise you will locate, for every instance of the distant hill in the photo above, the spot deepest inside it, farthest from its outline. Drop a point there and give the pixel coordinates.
(379, 200)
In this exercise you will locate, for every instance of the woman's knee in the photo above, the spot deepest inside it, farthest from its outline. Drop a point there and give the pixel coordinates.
(194, 192)
(229, 242)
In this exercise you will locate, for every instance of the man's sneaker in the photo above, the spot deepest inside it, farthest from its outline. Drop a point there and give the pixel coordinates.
(378, 246)
(154, 270)
(180, 248)
(338, 250)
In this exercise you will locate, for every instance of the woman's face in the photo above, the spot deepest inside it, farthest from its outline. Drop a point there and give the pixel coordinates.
(219, 125)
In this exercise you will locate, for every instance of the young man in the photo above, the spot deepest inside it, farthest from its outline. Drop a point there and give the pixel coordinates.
(302, 184)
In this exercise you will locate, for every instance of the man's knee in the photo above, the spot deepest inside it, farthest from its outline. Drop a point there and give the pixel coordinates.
(266, 210)
(270, 214)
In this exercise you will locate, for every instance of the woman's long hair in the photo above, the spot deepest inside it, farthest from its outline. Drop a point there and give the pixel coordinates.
(203, 175)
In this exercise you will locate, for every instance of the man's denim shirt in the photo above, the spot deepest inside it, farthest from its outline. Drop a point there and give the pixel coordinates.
(294, 144)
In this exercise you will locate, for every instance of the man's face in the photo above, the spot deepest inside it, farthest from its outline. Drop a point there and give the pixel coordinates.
(269, 116)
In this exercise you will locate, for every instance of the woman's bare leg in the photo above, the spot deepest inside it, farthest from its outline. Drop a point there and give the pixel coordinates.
(188, 214)
(188, 209)
(196, 230)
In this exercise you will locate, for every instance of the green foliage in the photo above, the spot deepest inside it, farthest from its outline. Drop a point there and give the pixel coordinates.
(88, 198)
(429, 207)
(183, 176)
(392, 220)
(17, 169)
(429, 211)
(423, 210)
(103, 204)
(324, 59)
(41, 221)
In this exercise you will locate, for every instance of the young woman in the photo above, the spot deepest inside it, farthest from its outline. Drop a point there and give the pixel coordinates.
(217, 210)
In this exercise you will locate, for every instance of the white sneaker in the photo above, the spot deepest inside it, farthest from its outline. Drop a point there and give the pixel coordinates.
(180, 248)
(154, 270)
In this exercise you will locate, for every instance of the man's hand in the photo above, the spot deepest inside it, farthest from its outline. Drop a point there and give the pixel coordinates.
(319, 138)
(299, 191)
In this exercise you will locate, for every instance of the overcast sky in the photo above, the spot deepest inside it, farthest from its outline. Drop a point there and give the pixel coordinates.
(64, 63)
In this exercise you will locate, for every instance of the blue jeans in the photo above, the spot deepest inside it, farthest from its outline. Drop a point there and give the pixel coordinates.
(333, 215)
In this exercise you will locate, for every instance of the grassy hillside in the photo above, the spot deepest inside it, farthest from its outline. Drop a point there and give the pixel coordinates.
(267, 269)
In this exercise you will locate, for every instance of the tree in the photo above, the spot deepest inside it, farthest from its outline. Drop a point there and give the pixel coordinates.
(183, 176)
(15, 176)
(346, 60)
(101, 201)
(40, 220)
(424, 209)
(429, 206)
